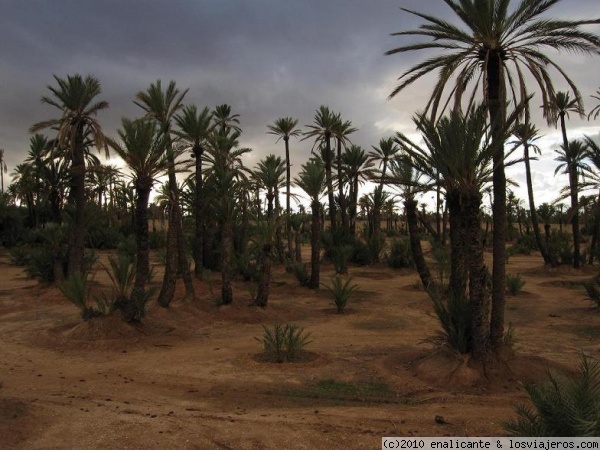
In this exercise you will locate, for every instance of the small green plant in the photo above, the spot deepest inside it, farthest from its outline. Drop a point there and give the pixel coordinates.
(400, 255)
(283, 341)
(121, 272)
(455, 316)
(441, 254)
(300, 272)
(514, 284)
(340, 255)
(20, 255)
(563, 406)
(75, 290)
(339, 292)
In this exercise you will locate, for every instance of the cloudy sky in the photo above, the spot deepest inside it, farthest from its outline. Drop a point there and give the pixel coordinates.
(266, 58)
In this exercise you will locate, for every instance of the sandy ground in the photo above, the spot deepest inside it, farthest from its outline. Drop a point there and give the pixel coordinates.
(193, 376)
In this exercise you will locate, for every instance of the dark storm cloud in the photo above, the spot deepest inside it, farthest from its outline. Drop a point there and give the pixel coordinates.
(266, 58)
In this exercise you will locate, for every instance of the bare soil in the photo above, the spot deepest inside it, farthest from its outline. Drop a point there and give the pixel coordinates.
(193, 376)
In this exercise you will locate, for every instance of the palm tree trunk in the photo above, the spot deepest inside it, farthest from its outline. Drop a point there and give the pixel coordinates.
(315, 246)
(298, 243)
(75, 249)
(478, 294)
(226, 250)
(199, 217)
(278, 234)
(184, 267)
(264, 285)
(495, 98)
(595, 231)
(142, 270)
(288, 208)
(167, 290)
(329, 181)
(341, 197)
(410, 206)
(532, 212)
(458, 244)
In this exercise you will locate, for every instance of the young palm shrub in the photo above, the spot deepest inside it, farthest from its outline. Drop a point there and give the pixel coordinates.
(400, 255)
(514, 284)
(340, 292)
(75, 290)
(564, 406)
(283, 341)
(121, 272)
(455, 316)
(300, 272)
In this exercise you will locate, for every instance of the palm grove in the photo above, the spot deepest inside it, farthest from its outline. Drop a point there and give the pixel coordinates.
(491, 69)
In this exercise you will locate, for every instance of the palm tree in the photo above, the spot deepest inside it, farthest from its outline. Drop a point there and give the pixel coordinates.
(341, 132)
(493, 49)
(3, 169)
(571, 159)
(224, 120)
(595, 112)
(194, 133)
(323, 130)
(161, 106)
(460, 149)
(404, 177)
(357, 168)
(76, 98)
(526, 135)
(141, 148)
(269, 175)
(312, 181)
(286, 127)
(224, 182)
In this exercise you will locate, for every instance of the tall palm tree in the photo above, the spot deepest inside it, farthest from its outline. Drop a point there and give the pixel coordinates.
(161, 106)
(572, 162)
(343, 129)
(225, 182)
(269, 175)
(497, 42)
(141, 148)
(312, 181)
(285, 128)
(323, 130)
(76, 99)
(3, 169)
(526, 135)
(357, 168)
(404, 177)
(194, 133)
(460, 148)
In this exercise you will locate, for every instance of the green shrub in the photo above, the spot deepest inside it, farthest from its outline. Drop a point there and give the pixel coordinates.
(128, 246)
(514, 284)
(157, 239)
(75, 290)
(340, 255)
(300, 272)
(361, 254)
(441, 254)
(525, 245)
(104, 237)
(339, 292)
(283, 342)
(20, 255)
(400, 255)
(559, 246)
(455, 316)
(121, 271)
(564, 406)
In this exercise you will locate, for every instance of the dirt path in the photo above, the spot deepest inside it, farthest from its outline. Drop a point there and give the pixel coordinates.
(193, 376)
